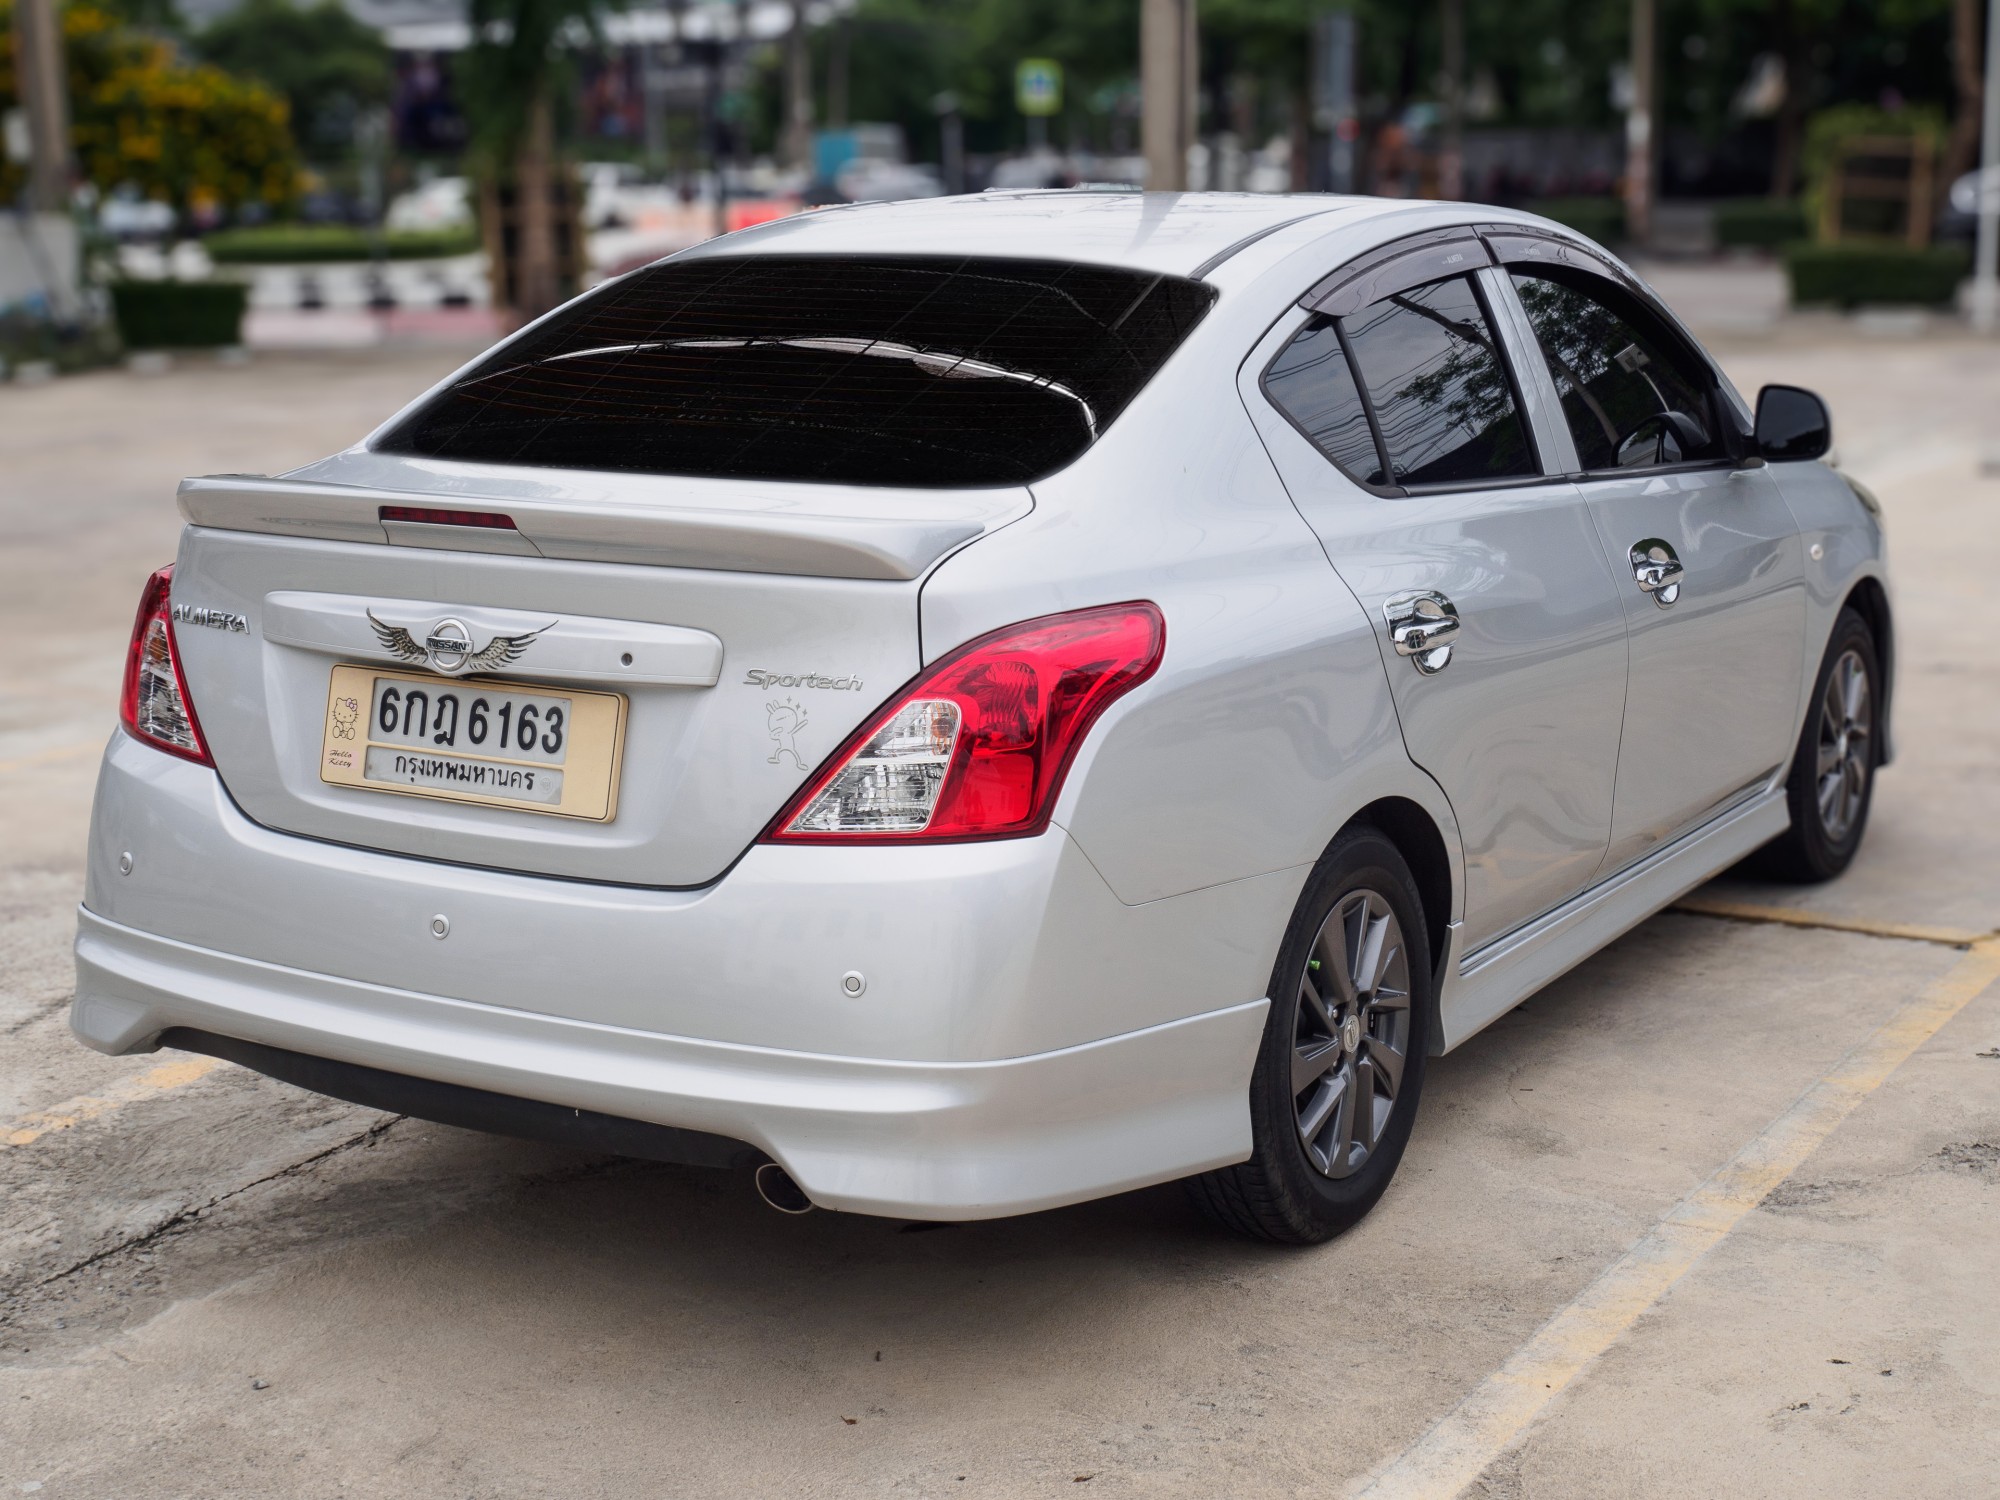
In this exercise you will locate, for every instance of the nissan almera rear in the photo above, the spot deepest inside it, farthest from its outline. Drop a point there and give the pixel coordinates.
(976, 705)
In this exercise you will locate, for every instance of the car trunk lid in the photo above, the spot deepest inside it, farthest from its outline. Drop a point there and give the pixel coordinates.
(748, 626)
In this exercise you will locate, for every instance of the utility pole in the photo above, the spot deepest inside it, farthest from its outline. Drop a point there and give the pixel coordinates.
(1986, 272)
(1640, 122)
(1451, 160)
(43, 86)
(798, 92)
(1167, 82)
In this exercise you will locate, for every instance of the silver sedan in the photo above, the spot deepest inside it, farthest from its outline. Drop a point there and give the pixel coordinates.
(966, 706)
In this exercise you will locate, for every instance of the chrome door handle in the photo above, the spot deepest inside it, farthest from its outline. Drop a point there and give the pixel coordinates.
(1657, 571)
(1422, 627)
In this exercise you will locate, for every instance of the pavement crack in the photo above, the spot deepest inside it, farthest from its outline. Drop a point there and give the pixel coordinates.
(193, 1213)
(1785, 916)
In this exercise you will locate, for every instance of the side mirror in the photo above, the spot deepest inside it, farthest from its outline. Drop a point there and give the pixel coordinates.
(1792, 424)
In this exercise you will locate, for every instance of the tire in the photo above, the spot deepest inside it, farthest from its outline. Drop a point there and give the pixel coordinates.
(1830, 808)
(1316, 1163)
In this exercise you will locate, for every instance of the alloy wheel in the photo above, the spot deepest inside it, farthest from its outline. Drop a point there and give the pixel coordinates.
(1351, 1033)
(1846, 736)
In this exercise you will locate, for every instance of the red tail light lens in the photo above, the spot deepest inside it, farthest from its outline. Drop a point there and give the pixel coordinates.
(977, 746)
(155, 704)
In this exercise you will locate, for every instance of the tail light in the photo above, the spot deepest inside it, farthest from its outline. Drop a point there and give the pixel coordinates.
(976, 747)
(155, 704)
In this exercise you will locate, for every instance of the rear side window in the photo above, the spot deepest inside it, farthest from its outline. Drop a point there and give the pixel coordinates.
(921, 371)
(1410, 390)
(1633, 395)
(1313, 384)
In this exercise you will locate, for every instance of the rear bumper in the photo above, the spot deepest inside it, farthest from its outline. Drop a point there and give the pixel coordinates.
(1023, 1038)
(920, 1140)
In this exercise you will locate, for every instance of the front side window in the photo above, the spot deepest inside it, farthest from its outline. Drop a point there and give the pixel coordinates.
(888, 370)
(1410, 390)
(1633, 395)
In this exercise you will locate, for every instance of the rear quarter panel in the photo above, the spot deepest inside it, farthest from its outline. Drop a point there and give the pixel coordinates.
(1269, 723)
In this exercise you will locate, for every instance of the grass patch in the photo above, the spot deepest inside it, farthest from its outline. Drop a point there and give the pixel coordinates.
(304, 244)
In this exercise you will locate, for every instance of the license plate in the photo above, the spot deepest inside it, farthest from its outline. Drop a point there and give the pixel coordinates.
(535, 748)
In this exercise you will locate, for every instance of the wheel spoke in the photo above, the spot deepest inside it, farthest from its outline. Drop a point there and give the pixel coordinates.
(1310, 1062)
(1361, 1115)
(1387, 1061)
(1313, 1009)
(1333, 977)
(1313, 1118)
(1367, 950)
(1829, 758)
(1339, 1160)
(1853, 690)
(1390, 998)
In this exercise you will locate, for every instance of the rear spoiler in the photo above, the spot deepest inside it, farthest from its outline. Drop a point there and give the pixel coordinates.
(746, 537)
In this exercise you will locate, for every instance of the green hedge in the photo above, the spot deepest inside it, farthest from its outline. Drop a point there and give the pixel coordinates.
(1851, 275)
(179, 314)
(1602, 219)
(298, 244)
(1760, 223)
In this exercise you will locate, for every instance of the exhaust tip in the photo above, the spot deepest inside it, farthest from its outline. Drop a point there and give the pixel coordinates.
(775, 1187)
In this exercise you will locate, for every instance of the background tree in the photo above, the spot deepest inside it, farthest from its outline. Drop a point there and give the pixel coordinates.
(329, 65)
(510, 78)
(186, 134)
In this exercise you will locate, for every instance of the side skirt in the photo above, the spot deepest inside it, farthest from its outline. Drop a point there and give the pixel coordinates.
(1492, 980)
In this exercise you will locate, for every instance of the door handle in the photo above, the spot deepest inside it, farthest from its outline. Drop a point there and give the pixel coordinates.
(1422, 627)
(1657, 570)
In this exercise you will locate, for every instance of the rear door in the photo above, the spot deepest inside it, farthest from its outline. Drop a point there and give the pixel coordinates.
(1706, 553)
(1397, 424)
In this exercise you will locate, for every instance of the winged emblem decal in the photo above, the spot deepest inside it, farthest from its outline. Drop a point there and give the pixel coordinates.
(447, 647)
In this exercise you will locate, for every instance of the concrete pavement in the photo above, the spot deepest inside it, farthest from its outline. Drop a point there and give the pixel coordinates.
(217, 1285)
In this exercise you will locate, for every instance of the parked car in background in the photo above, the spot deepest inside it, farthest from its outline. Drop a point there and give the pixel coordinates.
(868, 181)
(1959, 219)
(974, 705)
(441, 203)
(127, 215)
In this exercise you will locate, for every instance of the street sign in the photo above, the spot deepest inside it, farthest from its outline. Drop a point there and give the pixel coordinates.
(1038, 86)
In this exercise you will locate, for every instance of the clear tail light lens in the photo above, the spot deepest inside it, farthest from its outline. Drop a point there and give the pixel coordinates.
(155, 704)
(977, 746)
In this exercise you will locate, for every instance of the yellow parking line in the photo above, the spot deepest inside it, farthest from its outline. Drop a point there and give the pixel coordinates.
(29, 1128)
(1455, 1452)
(1744, 911)
(43, 757)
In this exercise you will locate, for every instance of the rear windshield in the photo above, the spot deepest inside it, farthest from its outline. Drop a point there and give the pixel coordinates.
(890, 370)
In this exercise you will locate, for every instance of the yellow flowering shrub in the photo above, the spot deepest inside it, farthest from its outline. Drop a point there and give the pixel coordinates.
(185, 133)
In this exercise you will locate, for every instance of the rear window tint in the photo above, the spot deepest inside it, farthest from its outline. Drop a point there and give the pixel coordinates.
(918, 371)
(1312, 383)
(1440, 390)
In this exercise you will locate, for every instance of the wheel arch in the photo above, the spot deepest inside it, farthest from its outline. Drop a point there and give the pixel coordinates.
(1417, 837)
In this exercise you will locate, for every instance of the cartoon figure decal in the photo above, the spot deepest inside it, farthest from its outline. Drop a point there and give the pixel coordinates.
(787, 719)
(346, 714)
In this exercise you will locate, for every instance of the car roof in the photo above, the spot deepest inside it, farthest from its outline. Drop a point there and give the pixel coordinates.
(1182, 234)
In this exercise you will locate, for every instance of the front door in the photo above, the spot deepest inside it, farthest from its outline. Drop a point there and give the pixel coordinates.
(1399, 430)
(1706, 555)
